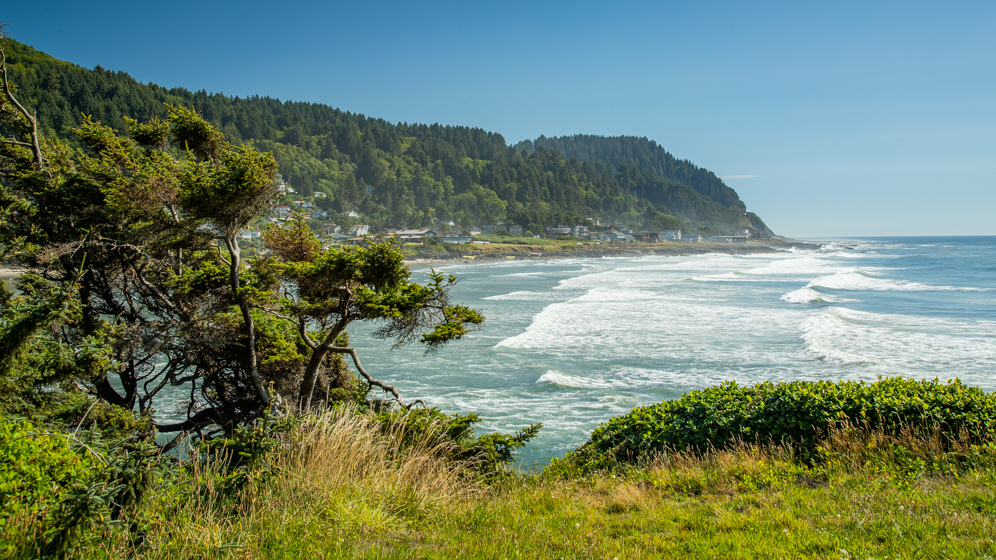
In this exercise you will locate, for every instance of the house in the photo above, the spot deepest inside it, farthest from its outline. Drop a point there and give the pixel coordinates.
(336, 238)
(249, 234)
(489, 230)
(672, 235)
(515, 230)
(475, 231)
(457, 239)
(641, 237)
(304, 204)
(355, 241)
(736, 238)
(560, 231)
(282, 211)
(358, 230)
(692, 238)
(413, 235)
(619, 237)
(579, 231)
(351, 214)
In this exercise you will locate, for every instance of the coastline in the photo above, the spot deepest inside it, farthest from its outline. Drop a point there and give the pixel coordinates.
(519, 252)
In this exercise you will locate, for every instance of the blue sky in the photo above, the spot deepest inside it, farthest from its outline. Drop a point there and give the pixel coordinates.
(830, 119)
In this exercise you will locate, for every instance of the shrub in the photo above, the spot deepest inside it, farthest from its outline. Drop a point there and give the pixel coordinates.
(35, 470)
(798, 414)
(486, 455)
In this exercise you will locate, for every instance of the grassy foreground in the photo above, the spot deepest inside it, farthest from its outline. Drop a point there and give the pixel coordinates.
(343, 488)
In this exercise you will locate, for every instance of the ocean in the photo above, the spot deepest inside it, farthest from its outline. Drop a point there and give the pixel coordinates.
(573, 342)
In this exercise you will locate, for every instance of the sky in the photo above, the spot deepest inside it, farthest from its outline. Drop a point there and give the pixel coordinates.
(830, 119)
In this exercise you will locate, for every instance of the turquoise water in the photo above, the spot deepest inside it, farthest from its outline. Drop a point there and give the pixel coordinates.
(571, 343)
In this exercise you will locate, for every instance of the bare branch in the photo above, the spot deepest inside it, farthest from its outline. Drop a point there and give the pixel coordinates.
(387, 388)
(35, 146)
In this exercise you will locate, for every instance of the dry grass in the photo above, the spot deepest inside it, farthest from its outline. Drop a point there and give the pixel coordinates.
(339, 473)
(346, 488)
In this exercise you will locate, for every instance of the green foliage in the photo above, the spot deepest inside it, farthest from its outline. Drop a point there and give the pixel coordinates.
(487, 454)
(416, 172)
(36, 470)
(644, 156)
(798, 414)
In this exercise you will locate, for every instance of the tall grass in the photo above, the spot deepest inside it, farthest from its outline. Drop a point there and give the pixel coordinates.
(338, 474)
(345, 485)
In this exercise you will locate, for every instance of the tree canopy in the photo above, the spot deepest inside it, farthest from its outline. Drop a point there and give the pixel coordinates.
(400, 175)
(134, 281)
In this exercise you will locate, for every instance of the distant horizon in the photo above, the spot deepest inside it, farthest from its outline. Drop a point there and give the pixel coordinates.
(850, 116)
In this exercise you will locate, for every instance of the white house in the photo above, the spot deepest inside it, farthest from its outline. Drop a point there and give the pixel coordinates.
(671, 235)
(359, 230)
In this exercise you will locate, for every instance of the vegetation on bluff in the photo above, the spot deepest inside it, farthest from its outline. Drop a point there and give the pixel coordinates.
(415, 173)
(798, 414)
(134, 281)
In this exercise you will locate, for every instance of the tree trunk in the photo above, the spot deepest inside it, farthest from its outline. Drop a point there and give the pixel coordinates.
(249, 326)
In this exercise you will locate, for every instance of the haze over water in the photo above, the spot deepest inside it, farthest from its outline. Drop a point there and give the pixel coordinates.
(571, 343)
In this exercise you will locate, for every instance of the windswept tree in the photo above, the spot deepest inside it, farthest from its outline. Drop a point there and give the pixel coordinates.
(139, 234)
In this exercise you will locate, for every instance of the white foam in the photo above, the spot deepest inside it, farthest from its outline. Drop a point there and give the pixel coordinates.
(858, 279)
(901, 345)
(570, 381)
(522, 296)
(806, 295)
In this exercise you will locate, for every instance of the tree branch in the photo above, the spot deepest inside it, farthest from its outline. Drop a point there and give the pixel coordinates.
(35, 146)
(387, 388)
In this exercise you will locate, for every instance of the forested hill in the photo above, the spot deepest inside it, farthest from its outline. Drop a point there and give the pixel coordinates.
(401, 175)
(644, 155)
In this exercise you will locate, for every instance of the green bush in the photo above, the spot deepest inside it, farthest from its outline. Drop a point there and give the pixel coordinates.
(798, 414)
(35, 470)
(486, 455)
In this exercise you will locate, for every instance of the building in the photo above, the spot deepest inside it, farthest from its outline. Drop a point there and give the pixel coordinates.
(739, 238)
(413, 235)
(619, 237)
(579, 231)
(489, 230)
(559, 231)
(515, 230)
(358, 230)
(456, 239)
(351, 214)
(249, 234)
(282, 211)
(336, 238)
(672, 235)
(692, 238)
(475, 231)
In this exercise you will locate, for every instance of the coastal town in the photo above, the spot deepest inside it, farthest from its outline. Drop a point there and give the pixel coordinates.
(343, 228)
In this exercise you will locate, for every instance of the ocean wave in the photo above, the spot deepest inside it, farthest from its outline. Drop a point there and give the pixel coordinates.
(573, 382)
(806, 295)
(894, 342)
(857, 279)
(521, 296)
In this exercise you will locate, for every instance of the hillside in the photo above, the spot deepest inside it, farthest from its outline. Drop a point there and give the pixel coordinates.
(404, 174)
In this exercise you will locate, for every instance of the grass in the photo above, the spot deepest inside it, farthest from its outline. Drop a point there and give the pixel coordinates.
(346, 489)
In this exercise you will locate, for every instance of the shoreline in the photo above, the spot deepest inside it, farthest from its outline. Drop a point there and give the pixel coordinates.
(512, 252)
